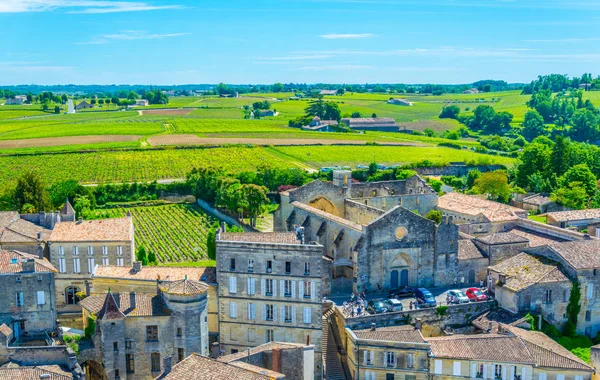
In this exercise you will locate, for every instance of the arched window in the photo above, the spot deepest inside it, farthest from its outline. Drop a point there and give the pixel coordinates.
(71, 297)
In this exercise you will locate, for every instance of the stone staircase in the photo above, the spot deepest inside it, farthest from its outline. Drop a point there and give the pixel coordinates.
(331, 361)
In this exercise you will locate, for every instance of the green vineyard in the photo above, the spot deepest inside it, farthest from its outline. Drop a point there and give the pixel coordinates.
(175, 233)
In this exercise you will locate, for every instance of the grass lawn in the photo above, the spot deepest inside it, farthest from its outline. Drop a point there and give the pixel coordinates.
(537, 218)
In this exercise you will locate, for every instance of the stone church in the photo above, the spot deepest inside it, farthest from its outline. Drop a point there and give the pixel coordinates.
(374, 232)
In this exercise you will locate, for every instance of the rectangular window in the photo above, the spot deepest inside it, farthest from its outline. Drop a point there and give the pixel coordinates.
(369, 357)
(287, 314)
(288, 267)
(76, 266)
(61, 251)
(307, 315)
(152, 333)
(307, 269)
(75, 251)
(19, 299)
(91, 264)
(119, 261)
(62, 266)
(128, 345)
(588, 315)
(232, 285)
(560, 376)
(251, 311)
(590, 291)
(90, 251)
(269, 266)
(410, 377)
(390, 359)
(117, 374)
(116, 346)
(269, 313)
(287, 288)
(269, 287)
(232, 310)
(250, 265)
(497, 371)
(180, 354)
(179, 332)
(306, 289)
(41, 297)
(548, 296)
(565, 295)
(155, 361)
(515, 375)
(438, 367)
(129, 363)
(389, 376)
(39, 278)
(456, 368)
(479, 371)
(119, 251)
(105, 261)
(232, 264)
(410, 360)
(270, 336)
(251, 286)
(542, 376)
(104, 251)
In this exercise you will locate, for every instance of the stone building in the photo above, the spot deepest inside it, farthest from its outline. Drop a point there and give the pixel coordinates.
(142, 279)
(398, 352)
(374, 232)
(135, 332)
(21, 235)
(270, 288)
(77, 247)
(579, 219)
(511, 354)
(27, 302)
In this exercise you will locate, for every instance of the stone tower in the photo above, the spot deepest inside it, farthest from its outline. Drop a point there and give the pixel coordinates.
(187, 301)
(110, 329)
(342, 178)
(67, 214)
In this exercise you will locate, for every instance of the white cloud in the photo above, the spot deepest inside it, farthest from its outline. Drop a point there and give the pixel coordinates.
(127, 35)
(83, 6)
(346, 36)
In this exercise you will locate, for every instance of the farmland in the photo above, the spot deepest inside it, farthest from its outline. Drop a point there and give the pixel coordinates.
(175, 233)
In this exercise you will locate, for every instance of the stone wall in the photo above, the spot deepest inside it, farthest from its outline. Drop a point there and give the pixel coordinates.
(360, 213)
(457, 171)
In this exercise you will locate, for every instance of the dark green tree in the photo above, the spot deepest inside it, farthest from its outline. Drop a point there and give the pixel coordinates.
(31, 189)
(533, 125)
(142, 256)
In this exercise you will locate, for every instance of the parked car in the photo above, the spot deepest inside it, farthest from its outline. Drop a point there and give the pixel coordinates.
(476, 295)
(376, 307)
(456, 296)
(404, 291)
(393, 305)
(360, 166)
(425, 298)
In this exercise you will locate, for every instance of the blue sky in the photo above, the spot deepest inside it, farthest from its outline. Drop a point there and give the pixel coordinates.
(309, 41)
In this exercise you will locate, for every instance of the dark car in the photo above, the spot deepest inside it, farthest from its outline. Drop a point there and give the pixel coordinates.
(376, 307)
(405, 291)
(425, 298)
(476, 295)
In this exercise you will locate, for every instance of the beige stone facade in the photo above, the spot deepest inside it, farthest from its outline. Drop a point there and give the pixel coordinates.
(269, 289)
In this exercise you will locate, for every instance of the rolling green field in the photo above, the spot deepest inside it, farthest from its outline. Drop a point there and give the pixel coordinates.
(175, 233)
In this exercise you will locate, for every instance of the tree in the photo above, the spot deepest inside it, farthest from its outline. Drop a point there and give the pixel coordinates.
(435, 216)
(211, 245)
(222, 89)
(494, 185)
(429, 132)
(101, 101)
(64, 98)
(572, 196)
(487, 88)
(533, 125)
(472, 177)
(142, 256)
(332, 111)
(115, 100)
(374, 115)
(93, 101)
(256, 196)
(152, 260)
(277, 87)
(450, 112)
(56, 109)
(583, 175)
(535, 158)
(69, 189)
(356, 115)
(584, 126)
(31, 190)
(107, 101)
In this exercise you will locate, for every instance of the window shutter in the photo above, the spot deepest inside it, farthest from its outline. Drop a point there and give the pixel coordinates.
(312, 290)
(300, 289)
(248, 287)
(253, 283)
(232, 285)
(542, 376)
(485, 371)
(503, 372)
(511, 372)
(524, 373)
(21, 297)
(590, 292)
(263, 286)
(230, 309)
(282, 314)
(438, 367)
(274, 288)
(282, 287)
(473, 370)
(293, 289)
(456, 368)
(264, 312)
(365, 354)
(235, 310)
(372, 355)
(293, 314)
(559, 376)
(249, 311)
(41, 297)
(274, 313)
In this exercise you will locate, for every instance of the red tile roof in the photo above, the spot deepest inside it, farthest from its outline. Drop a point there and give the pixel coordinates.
(116, 229)
(261, 237)
(11, 262)
(204, 368)
(183, 287)
(146, 305)
(150, 273)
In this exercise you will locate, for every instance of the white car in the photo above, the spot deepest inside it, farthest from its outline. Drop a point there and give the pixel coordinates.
(456, 296)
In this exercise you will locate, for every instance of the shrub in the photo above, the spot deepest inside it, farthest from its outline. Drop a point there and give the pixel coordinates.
(90, 329)
(441, 310)
(435, 216)
(450, 145)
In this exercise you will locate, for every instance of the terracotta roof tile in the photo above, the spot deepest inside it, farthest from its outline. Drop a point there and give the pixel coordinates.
(110, 309)
(565, 216)
(4, 329)
(117, 229)
(405, 333)
(524, 270)
(258, 349)
(537, 199)
(204, 368)
(582, 254)
(502, 238)
(535, 238)
(151, 273)
(183, 287)
(474, 206)
(261, 237)
(145, 304)
(13, 229)
(467, 250)
(485, 347)
(11, 262)
(30, 373)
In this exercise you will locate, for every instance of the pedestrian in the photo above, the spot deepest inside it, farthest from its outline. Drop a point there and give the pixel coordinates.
(359, 310)
(411, 305)
(481, 284)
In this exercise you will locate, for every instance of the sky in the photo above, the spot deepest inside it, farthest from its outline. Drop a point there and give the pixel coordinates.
(301, 41)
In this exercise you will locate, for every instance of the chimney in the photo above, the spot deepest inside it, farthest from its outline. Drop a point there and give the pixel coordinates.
(28, 265)
(587, 237)
(137, 266)
(79, 220)
(418, 324)
(39, 236)
(300, 234)
(277, 360)
(373, 327)
(132, 303)
(218, 235)
(167, 364)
